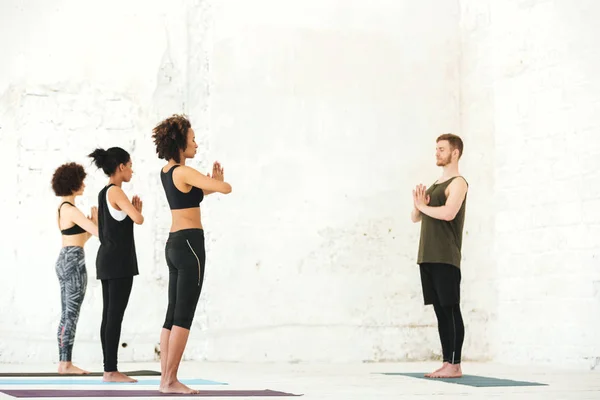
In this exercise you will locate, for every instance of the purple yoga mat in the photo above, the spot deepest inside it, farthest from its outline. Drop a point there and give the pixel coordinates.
(32, 393)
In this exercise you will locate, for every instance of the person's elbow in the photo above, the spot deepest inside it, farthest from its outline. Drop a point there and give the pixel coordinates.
(449, 215)
(226, 188)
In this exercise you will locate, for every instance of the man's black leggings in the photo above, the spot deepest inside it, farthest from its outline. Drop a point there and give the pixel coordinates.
(441, 288)
(452, 331)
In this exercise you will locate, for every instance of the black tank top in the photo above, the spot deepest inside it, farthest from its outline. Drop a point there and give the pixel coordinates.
(116, 255)
(177, 199)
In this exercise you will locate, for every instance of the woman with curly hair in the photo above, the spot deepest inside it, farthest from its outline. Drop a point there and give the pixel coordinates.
(76, 229)
(116, 262)
(184, 188)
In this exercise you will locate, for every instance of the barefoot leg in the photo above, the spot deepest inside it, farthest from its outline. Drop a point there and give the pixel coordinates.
(177, 341)
(165, 335)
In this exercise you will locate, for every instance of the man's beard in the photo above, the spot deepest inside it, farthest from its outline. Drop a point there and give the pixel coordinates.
(442, 162)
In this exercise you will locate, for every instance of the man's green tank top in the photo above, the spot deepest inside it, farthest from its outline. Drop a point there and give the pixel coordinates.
(441, 241)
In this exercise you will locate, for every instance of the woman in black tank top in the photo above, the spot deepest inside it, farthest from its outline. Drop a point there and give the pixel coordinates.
(76, 229)
(116, 262)
(185, 189)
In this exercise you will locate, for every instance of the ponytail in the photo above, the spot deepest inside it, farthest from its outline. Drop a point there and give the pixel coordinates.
(109, 160)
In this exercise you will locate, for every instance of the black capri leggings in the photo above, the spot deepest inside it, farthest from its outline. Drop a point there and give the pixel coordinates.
(185, 258)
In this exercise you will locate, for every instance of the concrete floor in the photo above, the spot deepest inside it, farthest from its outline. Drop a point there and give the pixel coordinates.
(346, 382)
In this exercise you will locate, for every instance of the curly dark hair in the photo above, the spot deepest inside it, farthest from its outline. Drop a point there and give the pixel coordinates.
(67, 179)
(170, 137)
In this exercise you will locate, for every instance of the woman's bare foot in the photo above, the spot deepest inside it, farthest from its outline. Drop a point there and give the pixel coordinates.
(176, 387)
(66, 367)
(437, 370)
(449, 371)
(117, 377)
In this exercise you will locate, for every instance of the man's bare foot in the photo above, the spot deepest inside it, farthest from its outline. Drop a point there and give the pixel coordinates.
(449, 371)
(117, 377)
(437, 370)
(69, 368)
(176, 387)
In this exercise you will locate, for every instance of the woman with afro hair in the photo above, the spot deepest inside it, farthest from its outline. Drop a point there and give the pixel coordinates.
(184, 187)
(76, 229)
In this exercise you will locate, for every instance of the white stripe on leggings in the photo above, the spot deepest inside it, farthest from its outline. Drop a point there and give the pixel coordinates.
(197, 259)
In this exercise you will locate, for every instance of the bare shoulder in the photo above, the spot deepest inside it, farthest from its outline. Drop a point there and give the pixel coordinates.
(68, 209)
(116, 190)
(458, 186)
(185, 170)
(459, 182)
(70, 212)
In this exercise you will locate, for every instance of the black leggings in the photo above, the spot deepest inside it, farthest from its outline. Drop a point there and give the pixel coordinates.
(452, 331)
(115, 295)
(185, 258)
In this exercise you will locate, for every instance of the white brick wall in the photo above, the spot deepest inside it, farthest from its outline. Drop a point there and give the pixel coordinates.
(324, 117)
(535, 64)
(314, 245)
(333, 110)
(75, 85)
(479, 291)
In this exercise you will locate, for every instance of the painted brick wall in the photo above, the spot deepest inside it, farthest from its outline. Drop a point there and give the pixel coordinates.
(79, 78)
(529, 78)
(324, 117)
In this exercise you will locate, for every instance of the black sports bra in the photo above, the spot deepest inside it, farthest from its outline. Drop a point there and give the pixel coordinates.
(177, 199)
(75, 229)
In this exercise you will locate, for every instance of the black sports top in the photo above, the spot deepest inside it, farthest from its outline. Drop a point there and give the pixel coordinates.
(116, 255)
(75, 229)
(177, 199)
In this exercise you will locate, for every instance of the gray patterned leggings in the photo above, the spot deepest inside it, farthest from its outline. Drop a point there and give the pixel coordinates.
(72, 276)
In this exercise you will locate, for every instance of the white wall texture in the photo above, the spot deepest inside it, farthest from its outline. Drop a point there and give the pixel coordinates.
(529, 82)
(324, 115)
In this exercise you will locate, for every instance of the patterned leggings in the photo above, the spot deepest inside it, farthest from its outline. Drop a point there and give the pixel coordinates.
(72, 276)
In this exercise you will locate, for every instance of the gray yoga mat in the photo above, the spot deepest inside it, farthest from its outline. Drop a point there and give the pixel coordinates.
(470, 380)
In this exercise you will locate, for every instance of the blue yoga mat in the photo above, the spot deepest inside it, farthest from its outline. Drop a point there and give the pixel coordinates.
(84, 381)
